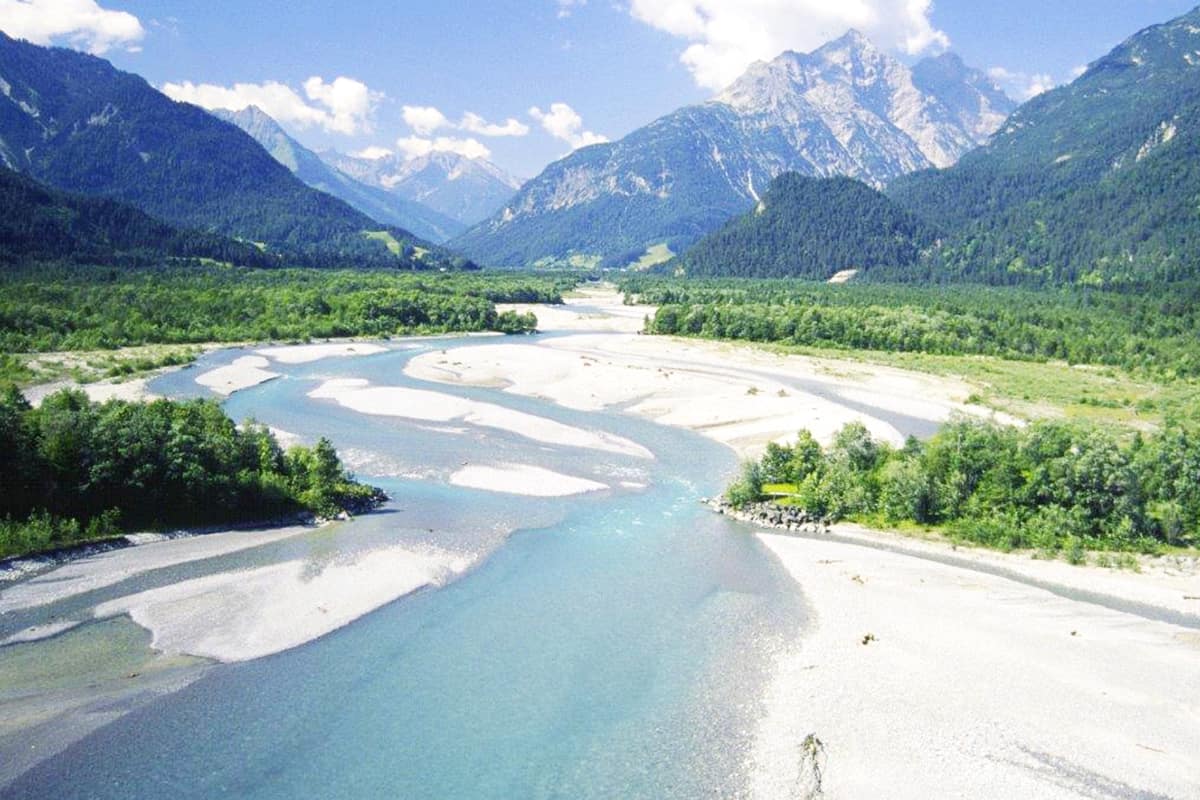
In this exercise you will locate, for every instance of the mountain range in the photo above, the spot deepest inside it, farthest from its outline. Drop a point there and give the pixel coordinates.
(1096, 182)
(74, 122)
(386, 207)
(844, 109)
(467, 190)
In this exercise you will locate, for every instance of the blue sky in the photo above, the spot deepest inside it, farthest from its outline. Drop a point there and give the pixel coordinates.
(527, 80)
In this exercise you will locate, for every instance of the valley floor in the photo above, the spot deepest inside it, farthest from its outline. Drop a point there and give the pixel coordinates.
(740, 396)
(244, 373)
(930, 679)
(993, 675)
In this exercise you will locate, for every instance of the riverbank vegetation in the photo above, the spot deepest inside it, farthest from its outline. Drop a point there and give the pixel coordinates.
(1153, 333)
(1052, 486)
(1120, 359)
(74, 470)
(92, 308)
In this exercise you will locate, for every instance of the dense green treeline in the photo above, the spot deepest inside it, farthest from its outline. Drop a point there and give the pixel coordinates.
(93, 308)
(1151, 333)
(1050, 486)
(74, 470)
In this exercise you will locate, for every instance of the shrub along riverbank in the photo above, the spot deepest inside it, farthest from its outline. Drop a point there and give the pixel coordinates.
(1051, 486)
(74, 470)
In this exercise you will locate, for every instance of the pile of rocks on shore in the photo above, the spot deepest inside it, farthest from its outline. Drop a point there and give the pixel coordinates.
(770, 515)
(353, 507)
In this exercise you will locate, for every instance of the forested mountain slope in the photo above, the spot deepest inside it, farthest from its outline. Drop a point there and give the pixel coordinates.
(1097, 182)
(810, 228)
(39, 224)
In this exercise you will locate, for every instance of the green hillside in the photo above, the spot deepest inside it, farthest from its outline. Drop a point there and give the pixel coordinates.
(810, 228)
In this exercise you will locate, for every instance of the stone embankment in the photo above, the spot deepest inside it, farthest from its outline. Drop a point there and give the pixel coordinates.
(770, 515)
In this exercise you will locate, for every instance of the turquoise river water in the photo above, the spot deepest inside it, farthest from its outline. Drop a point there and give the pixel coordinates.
(614, 644)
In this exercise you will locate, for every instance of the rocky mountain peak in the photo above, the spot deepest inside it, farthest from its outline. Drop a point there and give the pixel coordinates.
(855, 39)
(943, 107)
(464, 189)
(253, 120)
(852, 59)
(853, 53)
(968, 95)
(254, 116)
(847, 108)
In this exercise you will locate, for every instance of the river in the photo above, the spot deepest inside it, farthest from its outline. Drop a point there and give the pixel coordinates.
(609, 644)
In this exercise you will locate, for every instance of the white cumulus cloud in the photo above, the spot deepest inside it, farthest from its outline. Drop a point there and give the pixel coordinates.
(726, 36)
(473, 123)
(564, 122)
(425, 119)
(372, 153)
(342, 106)
(277, 99)
(82, 23)
(1023, 85)
(417, 146)
(349, 102)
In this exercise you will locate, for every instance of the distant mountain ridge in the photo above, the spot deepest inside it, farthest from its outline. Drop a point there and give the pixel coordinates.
(884, 118)
(306, 165)
(844, 109)
(76, 123)
(467, 190)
